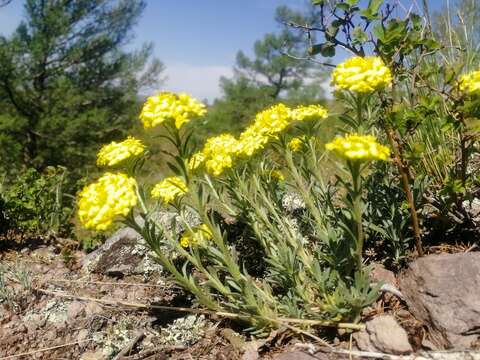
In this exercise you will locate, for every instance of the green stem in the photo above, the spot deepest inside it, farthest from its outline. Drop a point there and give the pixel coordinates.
(305, 193)
(359, 111)
(357, 203)
(203, 298)
(360, 236)
(217, 238)
(405, 180)
(140, 200)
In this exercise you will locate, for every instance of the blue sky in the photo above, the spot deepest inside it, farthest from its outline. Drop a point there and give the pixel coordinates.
(197, 40)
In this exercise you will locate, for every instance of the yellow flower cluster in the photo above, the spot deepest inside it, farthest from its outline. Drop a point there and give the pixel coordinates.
(195, 236)
(169, 189)
(101, 202)
(220, 151)
(296, 143)
(266, 126)
(196, 161)
(359, 147)
(272, 120)
(164, 106)
(251, 140)
(470, 83)
(115, 153)
(362, 74)
(277, 175)
(309, 112)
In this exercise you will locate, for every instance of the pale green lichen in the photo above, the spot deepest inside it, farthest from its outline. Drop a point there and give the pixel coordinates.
(184, 331)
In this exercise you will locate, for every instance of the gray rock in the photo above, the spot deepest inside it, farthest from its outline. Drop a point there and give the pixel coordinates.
(82, 335)
(250, 352)
(90, 355)
(75, 309)
(92, 308)
(383, 334)
(126, 253)
(378, 273)
(443, 291)
(296, 355)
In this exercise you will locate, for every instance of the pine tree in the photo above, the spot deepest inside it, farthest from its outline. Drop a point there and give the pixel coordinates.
(67, 84)
(275, 73)
(277, 63)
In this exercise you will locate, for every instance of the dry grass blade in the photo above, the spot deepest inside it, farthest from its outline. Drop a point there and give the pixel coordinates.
(44, 349)
(229, 315)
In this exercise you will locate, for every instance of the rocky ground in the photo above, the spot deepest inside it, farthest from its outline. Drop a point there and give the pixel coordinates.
(97, 307)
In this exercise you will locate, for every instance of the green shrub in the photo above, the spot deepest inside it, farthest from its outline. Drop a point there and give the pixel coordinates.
(38, 203)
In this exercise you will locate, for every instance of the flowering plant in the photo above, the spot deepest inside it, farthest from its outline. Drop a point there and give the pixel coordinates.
(238, 177)
(308, 228)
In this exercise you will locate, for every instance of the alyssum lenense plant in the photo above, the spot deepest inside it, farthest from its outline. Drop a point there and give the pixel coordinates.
(396, 107)
(316, 278)
(358, 152)
(361, 83)
(313, 266)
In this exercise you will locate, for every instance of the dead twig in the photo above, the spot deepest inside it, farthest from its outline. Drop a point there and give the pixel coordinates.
(127, 349)
(474, 246)
(44, 349)
(423, 355)
(130, 304)
(282, 321)
(106, 283)
(146, 354)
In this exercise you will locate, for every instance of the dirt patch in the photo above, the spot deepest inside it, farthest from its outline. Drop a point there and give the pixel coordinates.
(53, 310)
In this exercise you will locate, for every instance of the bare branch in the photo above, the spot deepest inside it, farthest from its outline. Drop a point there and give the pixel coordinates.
(308, 58)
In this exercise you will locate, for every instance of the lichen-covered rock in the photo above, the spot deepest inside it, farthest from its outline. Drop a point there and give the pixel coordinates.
(383, 334)
(473, 209)
(126, 253)
(443, 291)
(54, 311)
(184, 331)
(293, 202)
(115, 337)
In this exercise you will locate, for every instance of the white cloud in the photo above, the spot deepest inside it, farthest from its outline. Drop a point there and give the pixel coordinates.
(201, 81)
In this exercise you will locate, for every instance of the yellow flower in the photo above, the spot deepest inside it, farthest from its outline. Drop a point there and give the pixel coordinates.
(359, 147)
(163, 106)
(303, 112)
(362, 74)
(277, 175)
(101, 202)
(296, 143)
(470, 83)
(273, 120)
(266, 126)
(115, 153)
(196, 161)
(195, 236)
(219, 153)
(251, 140)
(169, 189)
